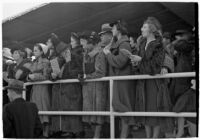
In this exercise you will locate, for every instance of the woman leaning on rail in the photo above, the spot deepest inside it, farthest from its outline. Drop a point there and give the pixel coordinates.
(68, 96)
(94, 93)
(183, 46)
(40, 94)
(152, 95)
(119, 65)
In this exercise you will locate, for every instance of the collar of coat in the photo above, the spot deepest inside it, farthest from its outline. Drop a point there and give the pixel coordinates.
(18, 100)
(124, 38)
(43, 60)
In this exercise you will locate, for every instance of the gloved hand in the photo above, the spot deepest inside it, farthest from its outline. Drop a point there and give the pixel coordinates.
(82, 78)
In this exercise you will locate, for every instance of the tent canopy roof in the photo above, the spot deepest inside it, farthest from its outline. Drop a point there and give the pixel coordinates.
(64, 18)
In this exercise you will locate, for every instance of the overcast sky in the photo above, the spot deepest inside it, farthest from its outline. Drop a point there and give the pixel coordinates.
(13, 9)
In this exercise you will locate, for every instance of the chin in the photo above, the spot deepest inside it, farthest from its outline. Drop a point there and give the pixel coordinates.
(143, 35)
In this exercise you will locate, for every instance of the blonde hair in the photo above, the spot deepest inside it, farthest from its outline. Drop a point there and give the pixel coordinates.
(154, 26)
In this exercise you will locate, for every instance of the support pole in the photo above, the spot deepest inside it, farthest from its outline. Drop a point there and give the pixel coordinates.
(112, 118)
(24, 92)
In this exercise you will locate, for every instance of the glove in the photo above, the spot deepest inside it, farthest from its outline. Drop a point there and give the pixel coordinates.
(82, 78)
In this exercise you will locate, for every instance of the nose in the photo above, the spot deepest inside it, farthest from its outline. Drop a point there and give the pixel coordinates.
(141, 29)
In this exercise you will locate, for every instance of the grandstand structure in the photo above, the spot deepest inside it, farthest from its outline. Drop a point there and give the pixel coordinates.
(37, 24)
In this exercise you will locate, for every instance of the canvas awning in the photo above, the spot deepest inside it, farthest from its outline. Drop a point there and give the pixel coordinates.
(64, 18)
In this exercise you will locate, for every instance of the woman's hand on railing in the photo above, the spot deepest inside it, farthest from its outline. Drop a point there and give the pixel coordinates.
(82, 78)
(54, 76)
(193, 82)
(164, 71)
(31, 76)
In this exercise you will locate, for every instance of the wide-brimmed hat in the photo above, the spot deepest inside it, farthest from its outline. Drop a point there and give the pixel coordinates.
(61, 47)
(7, 53)
(15, 84)
(105, 28)
(181, 32)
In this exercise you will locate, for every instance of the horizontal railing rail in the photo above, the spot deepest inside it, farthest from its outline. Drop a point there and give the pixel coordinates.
(127, 77)
(111, 113)
(104, 113)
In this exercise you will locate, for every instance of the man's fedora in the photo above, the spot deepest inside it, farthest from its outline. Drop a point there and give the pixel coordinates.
(105, 28)
(15, 84)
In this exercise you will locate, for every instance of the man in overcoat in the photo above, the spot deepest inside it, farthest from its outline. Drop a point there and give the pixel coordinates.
(20, 118)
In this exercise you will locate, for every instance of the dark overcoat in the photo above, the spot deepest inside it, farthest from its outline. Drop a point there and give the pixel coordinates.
(21, 120)
(183, 64)
(119, 65)
(95, 94)
(152, 95)
(24, 67)
(68, 96)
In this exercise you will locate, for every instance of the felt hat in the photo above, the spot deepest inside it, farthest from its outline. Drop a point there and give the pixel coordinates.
(105, 28)
(181, 32)
(61, 47)
(15, 84)
(7, 53)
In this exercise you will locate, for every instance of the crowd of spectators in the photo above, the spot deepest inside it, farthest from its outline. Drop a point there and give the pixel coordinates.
(112, 52)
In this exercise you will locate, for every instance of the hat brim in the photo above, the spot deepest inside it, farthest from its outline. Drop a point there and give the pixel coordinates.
(8, 57)
(113, 23)
(15, 88)
(181, 33)
(103, 32)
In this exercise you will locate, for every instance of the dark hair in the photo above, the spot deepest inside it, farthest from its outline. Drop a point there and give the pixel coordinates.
(40, 48)
(20, 49)
(76, 37)
(94, 38)
(22, 53)
(122, 27)
(167, 35)
(91, 37)
(54, 39)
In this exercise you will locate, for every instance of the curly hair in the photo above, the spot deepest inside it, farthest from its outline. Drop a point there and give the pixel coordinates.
(154, 26)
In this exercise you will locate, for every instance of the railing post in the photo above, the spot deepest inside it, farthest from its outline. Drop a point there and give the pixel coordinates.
(24, 92)
(60, 122)
(112, 118)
